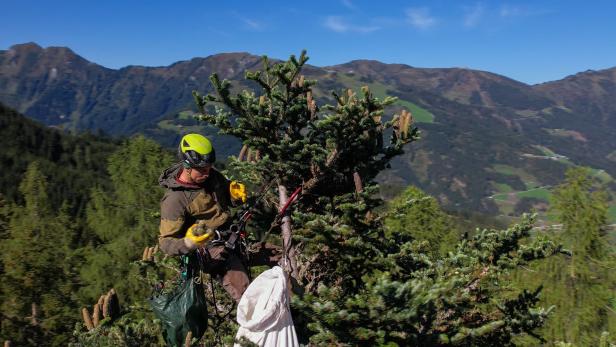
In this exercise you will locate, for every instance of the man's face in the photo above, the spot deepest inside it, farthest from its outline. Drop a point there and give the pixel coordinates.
(200, 174)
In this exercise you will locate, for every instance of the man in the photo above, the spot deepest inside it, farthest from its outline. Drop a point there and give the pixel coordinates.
(198, 195)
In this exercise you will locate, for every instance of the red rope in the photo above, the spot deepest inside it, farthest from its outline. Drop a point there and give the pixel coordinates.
(290, 201)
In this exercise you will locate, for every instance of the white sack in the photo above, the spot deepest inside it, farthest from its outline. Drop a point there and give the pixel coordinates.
(263, 312)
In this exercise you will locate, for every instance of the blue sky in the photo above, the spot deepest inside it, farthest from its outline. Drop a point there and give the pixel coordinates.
(530, 41)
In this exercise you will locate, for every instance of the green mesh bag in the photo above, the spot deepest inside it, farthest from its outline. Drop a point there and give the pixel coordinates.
(184, 308)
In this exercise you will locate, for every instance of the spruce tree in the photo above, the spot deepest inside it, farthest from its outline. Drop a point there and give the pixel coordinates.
(37, 260)
(361, 284)
(124, 220)
(422, 218)
(582, 286)
(357, 281)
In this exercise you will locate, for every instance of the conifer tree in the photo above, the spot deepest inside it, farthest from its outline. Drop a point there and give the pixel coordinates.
(420, 216)
(582, 286)
(361, 285)
(358, 281)
(124, 220)
(39, 277)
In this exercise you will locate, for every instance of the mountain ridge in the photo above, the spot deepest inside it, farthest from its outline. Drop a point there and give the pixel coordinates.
(34, 45)
(484, 134)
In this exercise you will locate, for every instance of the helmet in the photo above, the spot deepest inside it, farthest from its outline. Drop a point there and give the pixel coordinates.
(196, 151)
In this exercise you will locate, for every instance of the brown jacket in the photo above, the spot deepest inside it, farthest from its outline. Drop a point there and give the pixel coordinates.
(183, 205)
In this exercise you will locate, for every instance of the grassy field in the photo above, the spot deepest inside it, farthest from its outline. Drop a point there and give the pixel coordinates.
(185, 114)
(379, 90)
(529, 180)
(538, 193)
(506, 199)
(546, 151)
(167, 124)
(504, 169)
(420, 115)
(502, 187)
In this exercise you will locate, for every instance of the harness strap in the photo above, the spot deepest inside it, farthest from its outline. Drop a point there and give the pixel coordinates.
(229, 237)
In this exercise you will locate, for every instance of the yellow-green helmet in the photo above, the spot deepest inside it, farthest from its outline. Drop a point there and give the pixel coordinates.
(196, 151)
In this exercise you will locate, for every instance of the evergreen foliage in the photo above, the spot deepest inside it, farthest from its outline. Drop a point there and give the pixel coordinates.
(421, 216)
(130, 330)
(124, 220)
(39, 270)
(72, 163)
(582, 286)
(363, 284)
(365, 273)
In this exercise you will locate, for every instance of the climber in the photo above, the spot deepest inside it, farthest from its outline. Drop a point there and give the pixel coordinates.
(199, 196)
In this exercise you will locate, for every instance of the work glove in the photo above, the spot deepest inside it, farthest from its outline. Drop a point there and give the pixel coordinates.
(238, 191)
(197, 236)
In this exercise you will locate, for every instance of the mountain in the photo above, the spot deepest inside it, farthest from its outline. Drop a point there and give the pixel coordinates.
(592, 93)
(58, 87)
(489, 143)
(72, 164)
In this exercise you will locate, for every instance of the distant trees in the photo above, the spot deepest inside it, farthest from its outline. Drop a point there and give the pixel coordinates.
(65, 159)
(124, 220)
(422, 218)
(52, 264)
(582, 286)
(39, 270)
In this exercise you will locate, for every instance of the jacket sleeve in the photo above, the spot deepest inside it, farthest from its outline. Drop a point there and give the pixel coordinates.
(220, 185)
(172, 219)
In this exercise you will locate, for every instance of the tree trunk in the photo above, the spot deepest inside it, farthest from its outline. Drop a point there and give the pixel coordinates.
(288, 261)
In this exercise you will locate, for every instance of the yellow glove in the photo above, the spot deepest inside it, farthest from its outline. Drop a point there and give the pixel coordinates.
(238, 191)
(198, 234)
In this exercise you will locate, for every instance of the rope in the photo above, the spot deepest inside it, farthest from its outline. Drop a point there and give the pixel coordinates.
(219, 321)
(218, 317)
(286, 244)
(278, 218)
(290, 200)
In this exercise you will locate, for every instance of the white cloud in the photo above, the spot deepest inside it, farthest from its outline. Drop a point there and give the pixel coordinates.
(249, 23)
(348, 4)
(340, 25)
(420, 18)
(252, 24)
(517, 11)
(336, 24)
(510, 11)
(473, 15)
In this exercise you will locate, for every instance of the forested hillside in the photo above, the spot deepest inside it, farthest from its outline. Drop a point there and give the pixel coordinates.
(371, 273)
(490, 144)
(73, 164)
(75, 212)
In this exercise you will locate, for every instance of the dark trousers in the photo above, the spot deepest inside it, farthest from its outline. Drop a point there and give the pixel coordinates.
(228, 266)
